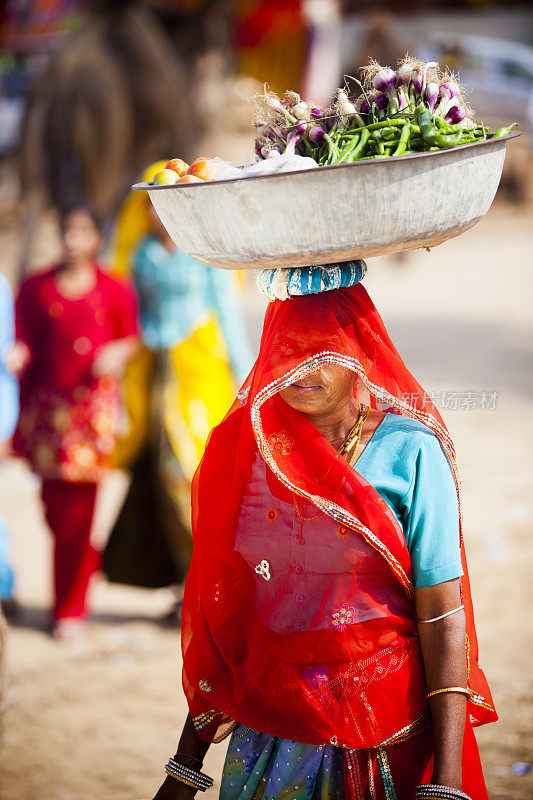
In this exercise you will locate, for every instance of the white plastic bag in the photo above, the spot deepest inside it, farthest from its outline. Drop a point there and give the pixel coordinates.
(222, 170)
(283, 163)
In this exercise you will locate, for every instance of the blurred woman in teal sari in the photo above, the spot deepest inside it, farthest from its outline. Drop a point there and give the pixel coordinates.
(179, 386)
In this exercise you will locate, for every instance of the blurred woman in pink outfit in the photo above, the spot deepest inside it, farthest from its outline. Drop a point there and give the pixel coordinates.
(76, 329)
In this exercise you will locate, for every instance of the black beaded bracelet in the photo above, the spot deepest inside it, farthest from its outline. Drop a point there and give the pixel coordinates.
(197, 780)
(434, 791)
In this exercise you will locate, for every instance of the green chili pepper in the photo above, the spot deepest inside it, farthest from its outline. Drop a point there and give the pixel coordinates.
(386, 123)
(480, 131)
(504, 131)
(448, 140)
(389, 133)
(392, 145)
(425, 123)
(404, 139)
(378, 143)
(332, 149)
(344, 154)
(429, 131)
(358, 151)
(445, 126)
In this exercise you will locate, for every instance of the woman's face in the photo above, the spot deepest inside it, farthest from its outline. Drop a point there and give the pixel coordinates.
(322, 392)
(81, 237)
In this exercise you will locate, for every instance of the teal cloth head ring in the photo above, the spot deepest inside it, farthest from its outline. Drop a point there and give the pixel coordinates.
(281, 284)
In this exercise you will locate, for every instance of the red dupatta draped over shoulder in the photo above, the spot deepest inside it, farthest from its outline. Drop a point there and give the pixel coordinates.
(298, 616)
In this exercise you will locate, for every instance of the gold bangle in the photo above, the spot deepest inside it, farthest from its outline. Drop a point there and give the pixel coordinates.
(180, 779)
(460, 689)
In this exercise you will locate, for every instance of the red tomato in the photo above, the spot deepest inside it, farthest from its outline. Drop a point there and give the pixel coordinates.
(177, 165)
(200, 168)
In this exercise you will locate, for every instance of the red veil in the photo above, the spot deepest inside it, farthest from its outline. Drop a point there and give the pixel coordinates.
(298, 616)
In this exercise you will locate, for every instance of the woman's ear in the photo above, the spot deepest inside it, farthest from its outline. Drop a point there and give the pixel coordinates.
(361, 393)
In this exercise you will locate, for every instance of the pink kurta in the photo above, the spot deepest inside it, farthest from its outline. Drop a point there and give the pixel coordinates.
(69, 417)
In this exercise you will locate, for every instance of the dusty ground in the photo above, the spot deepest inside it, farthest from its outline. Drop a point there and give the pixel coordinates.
(98, 721)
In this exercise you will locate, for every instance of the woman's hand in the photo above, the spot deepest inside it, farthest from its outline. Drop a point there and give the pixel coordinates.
(16, 358)
(172, 789)
(112, 358)
(5, 449)
(191, 752)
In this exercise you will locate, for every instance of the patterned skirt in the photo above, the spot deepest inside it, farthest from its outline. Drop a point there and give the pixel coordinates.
(263, 767)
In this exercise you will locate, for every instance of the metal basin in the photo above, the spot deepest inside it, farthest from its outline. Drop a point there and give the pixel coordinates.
(335, 213)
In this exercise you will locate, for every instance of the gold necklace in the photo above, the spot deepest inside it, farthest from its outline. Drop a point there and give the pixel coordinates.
(353, 440)
(352, 433)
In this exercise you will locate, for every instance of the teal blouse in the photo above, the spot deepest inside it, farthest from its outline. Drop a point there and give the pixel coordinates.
(407, 466)
(177, 293)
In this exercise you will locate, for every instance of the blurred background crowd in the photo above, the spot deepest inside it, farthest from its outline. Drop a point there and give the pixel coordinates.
(94, 95)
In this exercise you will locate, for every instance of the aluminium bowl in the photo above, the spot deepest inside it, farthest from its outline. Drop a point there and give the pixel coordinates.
(335, 213)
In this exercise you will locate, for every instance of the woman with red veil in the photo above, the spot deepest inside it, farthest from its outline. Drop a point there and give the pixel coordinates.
(327, 620)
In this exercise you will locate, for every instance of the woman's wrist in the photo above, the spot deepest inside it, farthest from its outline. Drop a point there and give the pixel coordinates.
(190, 745)
(189, 760)
(447, 777)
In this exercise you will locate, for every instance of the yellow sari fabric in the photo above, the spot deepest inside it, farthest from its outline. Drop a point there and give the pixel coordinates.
(198, 391)
(172, 400)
